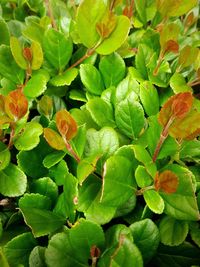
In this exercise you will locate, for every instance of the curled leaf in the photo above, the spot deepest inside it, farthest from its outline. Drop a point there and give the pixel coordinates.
(177, 106)
(66, 125)
(54, 139)
(16, 104)
(166, 181)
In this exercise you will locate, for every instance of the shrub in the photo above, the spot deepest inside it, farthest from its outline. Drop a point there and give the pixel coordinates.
(99, 148)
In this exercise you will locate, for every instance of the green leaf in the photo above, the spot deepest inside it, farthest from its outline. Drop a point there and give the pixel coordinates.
(143, 156)
(142, 177)
(36, 258)
(89, 202)
(4, 156)
(141, 10)
(169, 147)
(172, 231)
(37, 55)
(18, 249)
(37, 215)
(146, 237)
(149, 98)
(5, 36)
(65, 78)
(52, 159)
(104, 142)
(129, 116)
(178, 84)
(46, 187)
(88, 14)
(85, 167)
(181, 205)
(91, 79)
(8, 67)
(57, 48)
(125, 253)
(30, 136)
(195, 233)
(16, 50)
(68, 249)
(36, 156)
(101, 112)
(13, 181)
(112, 68)
(58, 172)
(154, 201)
(181, 256)
(35, 86)
(116, 38)
(3, 260)
(118, 184)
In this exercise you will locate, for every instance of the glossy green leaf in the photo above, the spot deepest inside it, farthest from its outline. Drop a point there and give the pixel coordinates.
(101, 112)
(3, 260)
(146, 237)
(65, 78)
(52, 159)
(154, 201)
(178, 84)
(36, 258)
(18, 249)
(57, 48)
(118, 184)
(17, 52)
(142, 177)
(112, 68)
(129, 116)
(116, 38)
(172, 231)
(195, 233)
(85, 167)
(35, 86)
(91, 79)
(141, 9)
(37, 216)
(61, 249)
(89, 202)
(5, 156)
(30, 136)
(104, 142)
(125, 253)
(149, 98)
(5, 36)
(88, 14)
(8, 67)
(46, 187)
(182, 204)
(37, 55)
(13, 181)
(58, 172)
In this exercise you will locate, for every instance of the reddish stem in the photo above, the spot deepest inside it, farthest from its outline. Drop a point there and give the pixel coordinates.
(72, 152)
(50, 14)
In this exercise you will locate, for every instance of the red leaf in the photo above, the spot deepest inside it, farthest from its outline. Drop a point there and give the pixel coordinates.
(16, 104)
(167, 181)
(107, 25)
(27, 53)
(171, 46)
(66, 125)
(54, 139)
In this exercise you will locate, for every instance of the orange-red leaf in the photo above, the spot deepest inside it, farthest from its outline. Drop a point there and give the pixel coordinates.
(66, 125)
(167, 181)
(16, 104)
(171, 46)
(54, 139)
(27, 53)
(107, 25)
(178, 106)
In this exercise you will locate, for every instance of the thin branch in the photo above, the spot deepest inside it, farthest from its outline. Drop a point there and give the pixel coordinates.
(50, 14)
(193, 83)
(72, 152)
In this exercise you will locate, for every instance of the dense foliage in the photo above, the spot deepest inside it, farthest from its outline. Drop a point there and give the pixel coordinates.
(99, 126)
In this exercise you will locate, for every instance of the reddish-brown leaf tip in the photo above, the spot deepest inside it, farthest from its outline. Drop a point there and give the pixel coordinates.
(166, 181)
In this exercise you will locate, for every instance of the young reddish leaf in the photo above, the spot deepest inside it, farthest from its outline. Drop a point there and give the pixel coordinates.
(54, 139)
(167, 181)
(66, 125)
(16, 104)
(45, 105)
(107, 25)
(27, 53)
(171, 46)
(178, 106)
(190, 19)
